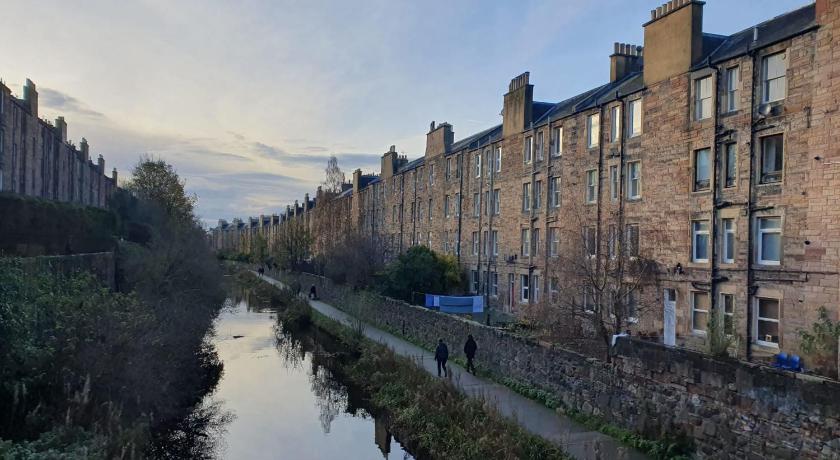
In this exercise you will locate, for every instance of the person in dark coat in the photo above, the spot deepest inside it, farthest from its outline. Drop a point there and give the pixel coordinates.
(312, 294)
(469, 350)
(441, 355)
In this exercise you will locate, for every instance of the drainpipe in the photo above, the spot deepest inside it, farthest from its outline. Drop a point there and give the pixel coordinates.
(598, 204)
(750, 200)
(490, 211)
(620, 231)
(459, 163)
(713, 231)
(480, 221)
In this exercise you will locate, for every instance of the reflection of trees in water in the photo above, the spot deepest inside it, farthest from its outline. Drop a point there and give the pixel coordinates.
(330, 395)
(197, 436)
(291, 350)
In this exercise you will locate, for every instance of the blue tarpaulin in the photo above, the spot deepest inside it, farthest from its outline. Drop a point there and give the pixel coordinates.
(455, 304)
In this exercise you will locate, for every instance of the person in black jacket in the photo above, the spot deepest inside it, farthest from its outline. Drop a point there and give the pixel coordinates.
(469, 350)
(441, 355)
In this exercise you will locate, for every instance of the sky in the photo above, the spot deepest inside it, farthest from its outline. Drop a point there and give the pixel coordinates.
(249, 99)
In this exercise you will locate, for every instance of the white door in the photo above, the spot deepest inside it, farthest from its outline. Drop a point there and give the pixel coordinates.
(669, 333)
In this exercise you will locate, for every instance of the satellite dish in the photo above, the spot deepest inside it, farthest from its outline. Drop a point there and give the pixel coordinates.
(764, 109)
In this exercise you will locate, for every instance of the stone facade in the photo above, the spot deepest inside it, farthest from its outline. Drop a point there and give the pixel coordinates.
(720, 150)
(730, 409)
(37, 160)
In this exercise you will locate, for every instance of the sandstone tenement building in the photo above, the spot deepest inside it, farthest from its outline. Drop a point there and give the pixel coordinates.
(718, 153)
(37, 160)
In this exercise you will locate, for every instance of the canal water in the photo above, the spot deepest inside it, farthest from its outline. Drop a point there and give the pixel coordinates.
(280, 399)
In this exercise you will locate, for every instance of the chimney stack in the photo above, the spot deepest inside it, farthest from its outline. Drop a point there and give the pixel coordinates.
(673, 39)
(518, 105)
(626, 59)
(61, 128)
(101, 163)
(30, 97)
(439, 139)
(85, 149)
(114, 176)
(389, 162)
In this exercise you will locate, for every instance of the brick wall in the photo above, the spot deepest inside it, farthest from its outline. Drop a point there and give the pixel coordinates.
(731, 409)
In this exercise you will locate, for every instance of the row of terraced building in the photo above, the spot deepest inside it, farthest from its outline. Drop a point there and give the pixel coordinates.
(718, 154)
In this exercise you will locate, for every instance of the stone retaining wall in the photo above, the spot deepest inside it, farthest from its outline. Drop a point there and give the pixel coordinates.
(731, 409)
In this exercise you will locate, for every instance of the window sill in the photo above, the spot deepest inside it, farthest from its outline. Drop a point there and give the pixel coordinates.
(765, 346)
(698, 333)
(633, 199)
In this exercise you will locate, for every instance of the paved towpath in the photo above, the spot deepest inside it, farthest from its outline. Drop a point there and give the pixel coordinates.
(577, 440)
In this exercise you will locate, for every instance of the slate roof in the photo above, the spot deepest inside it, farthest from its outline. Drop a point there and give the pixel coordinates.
(769, 32)
(477, 140)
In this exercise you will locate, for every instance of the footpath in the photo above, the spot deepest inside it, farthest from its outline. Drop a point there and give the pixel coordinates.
(575, 439)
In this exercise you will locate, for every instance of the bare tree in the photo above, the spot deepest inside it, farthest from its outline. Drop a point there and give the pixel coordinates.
(292, 244)
(334, 176)
(602, 273)
(355, 259)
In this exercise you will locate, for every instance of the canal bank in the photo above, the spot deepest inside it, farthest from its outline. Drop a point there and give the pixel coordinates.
(281, 397)
(575, 439)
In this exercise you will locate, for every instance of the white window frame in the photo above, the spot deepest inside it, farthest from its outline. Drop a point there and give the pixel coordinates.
(703, 98)
(615, 123)
(557, 145)
(767, 80)
(494, 284)
(528, 150)
(593, 130)
(526, 197)
(498, 153)
(733, 83)
(757, 319)
(591, 186)
(540, 146)
(476, 204)
(634, 117)
(731, 314)
(475, 243)
(475, 281)
(554, 244)
(696, 232)
(446, 206)
(613, 182)
(727, 226)
(495, 236)
(535, 281)
(554, 186)
(696, 184)
(538, 195)
(731, 148)
(497, 196)
(524, 288)
(631, 178)
(457, 205)
(694, 309)
(477, 164)
(525, 242)
(535, 238)
(760, 232)
(763, 158)
(590, 250)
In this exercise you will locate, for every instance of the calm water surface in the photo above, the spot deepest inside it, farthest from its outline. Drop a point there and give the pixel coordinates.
(284, 401)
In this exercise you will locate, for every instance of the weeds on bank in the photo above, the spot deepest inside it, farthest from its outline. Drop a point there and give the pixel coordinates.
(671, 449)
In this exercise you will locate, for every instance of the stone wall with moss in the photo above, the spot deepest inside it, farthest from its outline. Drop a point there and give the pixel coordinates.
(730, 409)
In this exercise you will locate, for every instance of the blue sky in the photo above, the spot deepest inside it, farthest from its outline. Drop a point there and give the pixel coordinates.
(248, 99)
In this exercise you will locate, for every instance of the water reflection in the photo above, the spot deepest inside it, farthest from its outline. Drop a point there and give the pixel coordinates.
(281, 395)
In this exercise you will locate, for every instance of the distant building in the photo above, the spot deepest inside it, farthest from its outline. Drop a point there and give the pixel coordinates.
(36, 159)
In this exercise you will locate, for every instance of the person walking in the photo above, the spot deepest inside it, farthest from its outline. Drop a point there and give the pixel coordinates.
(441, 355)
(469, 350)
(312, 293)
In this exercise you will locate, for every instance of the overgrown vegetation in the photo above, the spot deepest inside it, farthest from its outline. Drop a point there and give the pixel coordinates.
(430, 414)
(420, 270)
(821, 344)
(90, 373)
